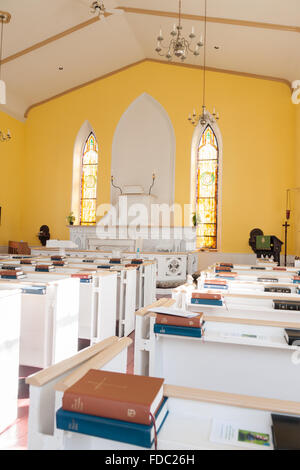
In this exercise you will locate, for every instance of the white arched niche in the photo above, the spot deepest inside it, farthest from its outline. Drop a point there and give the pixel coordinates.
(80, 141)
(143, 144)
(194, 155)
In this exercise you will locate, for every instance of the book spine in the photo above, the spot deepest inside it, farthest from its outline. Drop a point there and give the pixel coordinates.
(122, 411)
(177, 330)
(195, 322)
(206, 302)
(80, 423)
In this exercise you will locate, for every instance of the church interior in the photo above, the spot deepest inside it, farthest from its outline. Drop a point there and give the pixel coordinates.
(149, 238)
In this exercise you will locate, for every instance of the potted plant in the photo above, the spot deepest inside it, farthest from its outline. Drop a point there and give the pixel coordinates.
(71, 218)
(194, 219)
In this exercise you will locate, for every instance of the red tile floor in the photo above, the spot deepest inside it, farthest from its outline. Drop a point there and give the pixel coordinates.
(15, 436)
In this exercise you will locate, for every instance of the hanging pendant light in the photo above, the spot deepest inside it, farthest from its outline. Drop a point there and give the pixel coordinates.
(2, 83)
(205, 116)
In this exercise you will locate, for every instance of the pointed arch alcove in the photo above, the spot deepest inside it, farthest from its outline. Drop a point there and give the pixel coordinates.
(81, 148)
(206, 182)
(143, 143)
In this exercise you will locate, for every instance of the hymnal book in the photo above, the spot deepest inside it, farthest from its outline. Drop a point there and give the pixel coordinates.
(10, 274)
(292, 336)
(177, 330)
(103, 266)
(6, 267)
(278, 268)
(115, 261)
(174, 311)
(206, 299)
(286, 304)
(122, 431)
(175, 320)
(227, 275)
(261, 268)
(296, 279)
(88, 260)
(82, 276)
(215, 285)
(39, 290)
(235, 434)
(114, 395)
(58, 263)
(283, 290)
(222, 269)
(217, 282)
(137, 261)
(286, 432)
(28, 261)
(57, 258)
(228, 265)
(267, 279)
(44, 268)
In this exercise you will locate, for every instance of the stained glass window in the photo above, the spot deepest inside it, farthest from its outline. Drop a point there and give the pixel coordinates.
(89, 170)
(207, 189)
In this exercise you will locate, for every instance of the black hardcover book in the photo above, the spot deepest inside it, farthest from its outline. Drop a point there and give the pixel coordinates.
(292, 336)
(267, 279)
(282, 290)
(258, 267)
(286, 304)
(286, 432)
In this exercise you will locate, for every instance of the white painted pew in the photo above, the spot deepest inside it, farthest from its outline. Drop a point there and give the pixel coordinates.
(49, 321)
(10, 320)
(224, 359)
(47, 387)
(97, 298)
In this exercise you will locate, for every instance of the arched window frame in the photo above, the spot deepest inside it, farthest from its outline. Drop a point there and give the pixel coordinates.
(88, 216)
(80, 142)
(197, 136)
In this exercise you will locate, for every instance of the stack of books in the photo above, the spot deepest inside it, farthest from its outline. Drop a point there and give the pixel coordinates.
(57, 258)
(206, 299)
(296, 279)
(180, 325)
(12, 274)
(115, 261)
(44, 268)
(227, 275)
(58, 263)
(28, 261)
(292, 336)
(137, 261)
(224, 265)
(221, 269)
(279, 268)
(84, 277)
(215, 284)
(119, 407)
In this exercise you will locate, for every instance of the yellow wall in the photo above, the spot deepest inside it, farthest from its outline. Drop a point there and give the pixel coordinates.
(295, 197)
(257, 124)
(11, 179)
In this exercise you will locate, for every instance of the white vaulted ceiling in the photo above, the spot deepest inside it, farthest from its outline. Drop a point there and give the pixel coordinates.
(43, 35)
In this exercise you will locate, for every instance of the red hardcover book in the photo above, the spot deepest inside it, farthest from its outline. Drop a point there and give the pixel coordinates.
(117, 396)
(223, 268)
(11, 273)
(195, 322)
(279, 269)
(217, 282)
(82, 276)
(225, 274)
(198, 295)
(296, 278)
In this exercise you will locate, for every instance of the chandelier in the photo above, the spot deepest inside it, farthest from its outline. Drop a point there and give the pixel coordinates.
(4, 18)
(178, 46)
(205, 117)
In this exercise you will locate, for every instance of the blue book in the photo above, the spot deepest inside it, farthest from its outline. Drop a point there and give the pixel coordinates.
(85, 281)
(296, 281)
(123, 431)
(214, 286)
(206, 301)
(39, 290)
(177, 330)
(103, 266)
